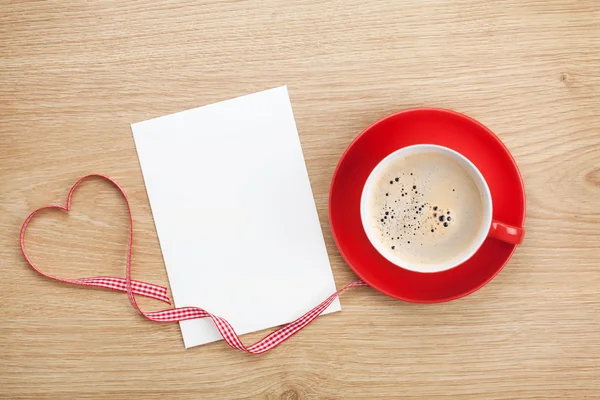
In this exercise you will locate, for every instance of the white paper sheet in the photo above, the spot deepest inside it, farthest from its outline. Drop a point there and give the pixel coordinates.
(234, 212)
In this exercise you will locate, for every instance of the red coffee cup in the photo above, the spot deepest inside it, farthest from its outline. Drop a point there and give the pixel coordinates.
(488, 226)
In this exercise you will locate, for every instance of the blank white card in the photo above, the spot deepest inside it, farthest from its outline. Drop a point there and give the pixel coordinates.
(235, 214)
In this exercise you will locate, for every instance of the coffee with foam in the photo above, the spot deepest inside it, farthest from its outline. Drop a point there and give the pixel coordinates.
(425, 209)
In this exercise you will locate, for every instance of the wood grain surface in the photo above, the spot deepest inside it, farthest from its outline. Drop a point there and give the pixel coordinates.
(75, 74)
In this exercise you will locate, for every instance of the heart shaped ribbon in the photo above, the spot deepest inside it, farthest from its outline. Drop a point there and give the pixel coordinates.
(133, 288)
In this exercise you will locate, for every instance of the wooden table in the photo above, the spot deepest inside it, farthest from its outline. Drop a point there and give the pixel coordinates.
(74, 74)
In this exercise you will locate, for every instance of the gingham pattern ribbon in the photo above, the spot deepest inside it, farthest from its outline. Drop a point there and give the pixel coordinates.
(133, 288)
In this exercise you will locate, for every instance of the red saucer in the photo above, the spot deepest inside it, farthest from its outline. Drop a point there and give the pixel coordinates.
(424, 126)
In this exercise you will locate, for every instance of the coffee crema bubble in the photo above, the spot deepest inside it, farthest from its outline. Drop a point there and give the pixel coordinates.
(425, 208)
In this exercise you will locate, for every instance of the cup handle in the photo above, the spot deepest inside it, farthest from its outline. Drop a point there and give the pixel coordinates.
(506, 233)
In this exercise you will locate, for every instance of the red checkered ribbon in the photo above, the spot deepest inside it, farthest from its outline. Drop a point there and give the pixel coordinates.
(133, 288)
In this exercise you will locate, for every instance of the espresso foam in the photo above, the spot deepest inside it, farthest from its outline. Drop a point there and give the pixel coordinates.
(425, 208)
